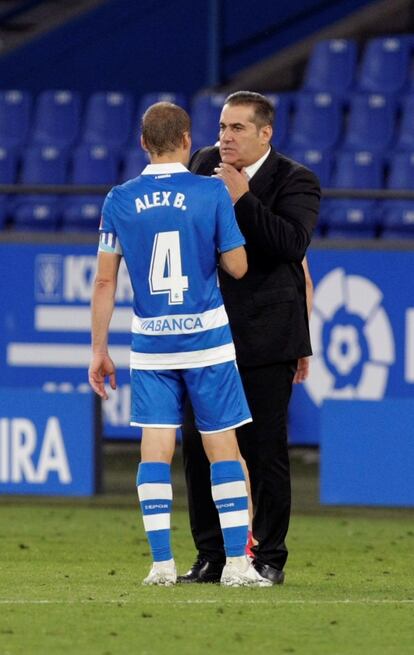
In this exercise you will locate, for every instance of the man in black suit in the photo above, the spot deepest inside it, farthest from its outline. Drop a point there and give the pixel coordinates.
(276, 202)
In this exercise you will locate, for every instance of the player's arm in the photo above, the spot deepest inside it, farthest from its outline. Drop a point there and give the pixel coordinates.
(234, 262)
(102, 306)
(229, 239)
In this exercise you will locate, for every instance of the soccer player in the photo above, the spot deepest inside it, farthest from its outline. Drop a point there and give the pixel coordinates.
(173, 228)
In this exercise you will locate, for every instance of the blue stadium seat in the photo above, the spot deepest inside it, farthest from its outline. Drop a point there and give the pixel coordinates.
(108, 119)
(205, 117)
(359, 170)
(40, 165)
(405, 138)
(371, 122)
(331, 66)
(8, 166)
(15, 107)
(133, 163)
(318, 161)
(149, 99)
(398, 215)
(57, 118)
(283, 104)
(385, 65)
(91, 165)
(397, 219)
(316, 123)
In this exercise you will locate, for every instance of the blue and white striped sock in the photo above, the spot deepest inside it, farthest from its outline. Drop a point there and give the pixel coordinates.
(155, 495)
(228, 488)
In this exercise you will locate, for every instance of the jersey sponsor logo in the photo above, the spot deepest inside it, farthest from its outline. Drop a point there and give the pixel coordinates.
(171, 325)
(160, 199)
(180, 323)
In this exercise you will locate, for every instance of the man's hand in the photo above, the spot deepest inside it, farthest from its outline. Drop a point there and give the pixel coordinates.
(101, 366)
(302, 372)
(235, 181)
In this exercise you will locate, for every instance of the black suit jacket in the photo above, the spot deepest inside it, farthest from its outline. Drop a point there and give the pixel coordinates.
(267, 307)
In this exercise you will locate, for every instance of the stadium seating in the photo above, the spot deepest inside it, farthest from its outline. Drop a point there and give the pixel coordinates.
(15, 108)
(398, 215)
(316, 123)
(90, 165)
(149, 99)
(57, 118)
(371, 123)
(331, 66)
(360, 218)
(205, 115)
(133, 163)
(8, 166)
(345, 124)
(40, 165)
(385, 65)
(405, 138)
(318, 161)
(283, 105)
(108, 119)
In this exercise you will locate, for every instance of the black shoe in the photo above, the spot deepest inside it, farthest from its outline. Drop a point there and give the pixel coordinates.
(203, 571)
(269, 572)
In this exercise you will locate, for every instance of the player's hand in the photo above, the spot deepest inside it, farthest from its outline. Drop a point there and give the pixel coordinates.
(236, 182)
(302, 372)
(101, 366)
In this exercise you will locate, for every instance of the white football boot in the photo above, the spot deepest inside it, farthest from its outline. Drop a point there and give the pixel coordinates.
(240, 572)
(162, 573)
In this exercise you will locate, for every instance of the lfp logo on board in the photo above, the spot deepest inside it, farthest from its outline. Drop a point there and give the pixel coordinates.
(352, 340)
(362, 332)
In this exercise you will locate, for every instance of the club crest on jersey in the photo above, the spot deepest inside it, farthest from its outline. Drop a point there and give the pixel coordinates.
(160, 199)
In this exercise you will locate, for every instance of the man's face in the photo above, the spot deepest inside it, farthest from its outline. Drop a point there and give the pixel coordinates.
(241, 142)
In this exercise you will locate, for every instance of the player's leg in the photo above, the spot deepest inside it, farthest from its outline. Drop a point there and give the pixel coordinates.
(219, 406)
(159, 422)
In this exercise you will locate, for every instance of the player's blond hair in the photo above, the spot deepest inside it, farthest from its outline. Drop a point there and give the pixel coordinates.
(163, 126)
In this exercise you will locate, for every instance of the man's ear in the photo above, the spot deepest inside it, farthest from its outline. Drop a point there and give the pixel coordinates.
(143, 144)
(266, 133)
(186, 141)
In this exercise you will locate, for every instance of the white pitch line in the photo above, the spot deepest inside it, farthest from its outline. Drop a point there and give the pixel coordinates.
(223, 599)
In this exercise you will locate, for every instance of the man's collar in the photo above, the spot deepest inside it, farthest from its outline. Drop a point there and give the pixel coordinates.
(253, 168)
(164, 169)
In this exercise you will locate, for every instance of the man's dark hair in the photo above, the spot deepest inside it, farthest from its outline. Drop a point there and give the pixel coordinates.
(163, 126)
(263, 109)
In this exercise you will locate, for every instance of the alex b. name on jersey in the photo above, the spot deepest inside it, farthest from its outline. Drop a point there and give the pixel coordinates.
(160, 199)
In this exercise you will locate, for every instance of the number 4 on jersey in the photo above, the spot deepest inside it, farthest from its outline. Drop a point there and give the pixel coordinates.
(166, 269)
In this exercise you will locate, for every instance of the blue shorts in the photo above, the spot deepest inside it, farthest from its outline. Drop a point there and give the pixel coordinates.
(215, 392)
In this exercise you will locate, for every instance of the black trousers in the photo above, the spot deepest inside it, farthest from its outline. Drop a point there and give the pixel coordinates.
(264, 446)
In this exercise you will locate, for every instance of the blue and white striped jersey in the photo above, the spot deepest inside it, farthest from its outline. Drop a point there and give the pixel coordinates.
(170, 225)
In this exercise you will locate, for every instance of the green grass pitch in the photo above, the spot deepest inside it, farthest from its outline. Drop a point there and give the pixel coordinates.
(71, 572)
